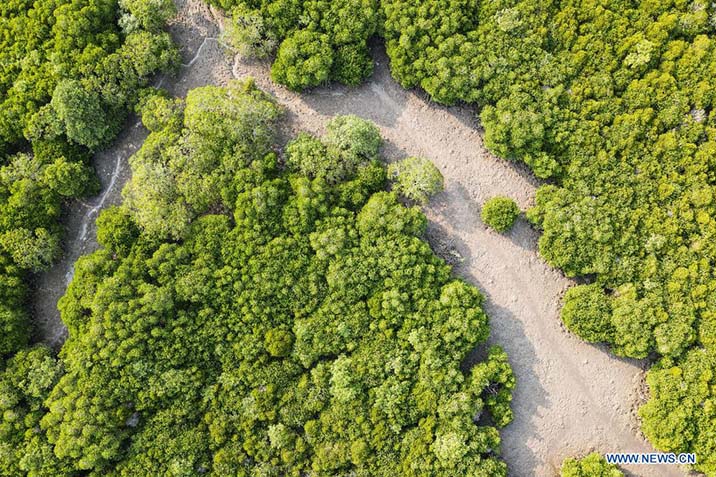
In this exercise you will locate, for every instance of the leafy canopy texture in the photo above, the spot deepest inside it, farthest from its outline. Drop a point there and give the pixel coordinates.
(416, 178)
(586, 313)
(349, 143)
(71, 71)
(593, 465)
(500, 213)
(25, 383)
(613, 101)
(278, 325)
(315, 41)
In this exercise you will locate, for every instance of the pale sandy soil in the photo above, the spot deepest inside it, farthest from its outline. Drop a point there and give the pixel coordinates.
(572, 398)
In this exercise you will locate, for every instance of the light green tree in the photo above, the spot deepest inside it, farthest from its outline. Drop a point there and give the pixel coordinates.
(416, 178)
(500, 213)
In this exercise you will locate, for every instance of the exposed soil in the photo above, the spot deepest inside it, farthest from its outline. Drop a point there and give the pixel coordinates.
(571, 398)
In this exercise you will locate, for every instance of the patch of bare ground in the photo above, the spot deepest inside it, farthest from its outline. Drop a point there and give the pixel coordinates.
(571, 398)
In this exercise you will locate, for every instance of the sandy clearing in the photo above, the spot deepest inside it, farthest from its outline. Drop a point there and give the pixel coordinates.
(572, 397)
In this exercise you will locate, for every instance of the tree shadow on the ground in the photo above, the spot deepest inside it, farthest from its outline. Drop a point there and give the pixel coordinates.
(379, 99)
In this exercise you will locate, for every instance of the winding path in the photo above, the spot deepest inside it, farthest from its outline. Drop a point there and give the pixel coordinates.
(571, 397)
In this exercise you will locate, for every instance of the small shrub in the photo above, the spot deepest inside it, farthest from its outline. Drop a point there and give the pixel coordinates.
(248, 35)
(500, 213)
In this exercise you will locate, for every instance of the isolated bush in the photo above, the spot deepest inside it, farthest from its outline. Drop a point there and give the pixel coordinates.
(416, 178)
(500, 213)
(592, 465)
(586, 312)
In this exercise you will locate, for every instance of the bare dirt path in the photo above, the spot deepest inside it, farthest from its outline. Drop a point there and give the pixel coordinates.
(571, 398)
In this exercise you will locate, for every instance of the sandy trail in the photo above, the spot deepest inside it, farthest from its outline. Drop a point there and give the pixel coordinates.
(113, 170)
(572, 397)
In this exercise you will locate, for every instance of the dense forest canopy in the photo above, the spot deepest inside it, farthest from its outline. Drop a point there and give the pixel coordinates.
(254, 319)
(314, 41)
(612, 101)
(70, 71)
